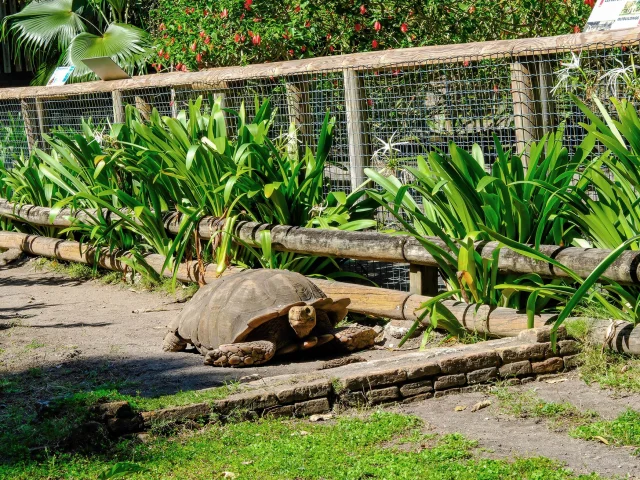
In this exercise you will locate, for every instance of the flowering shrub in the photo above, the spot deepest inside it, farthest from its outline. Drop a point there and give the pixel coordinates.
(193, 34)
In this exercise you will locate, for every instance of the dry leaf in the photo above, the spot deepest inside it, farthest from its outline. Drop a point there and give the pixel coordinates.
(481, 405)
(601, 439)
(460, 408)
(556, 380)
(229, 475)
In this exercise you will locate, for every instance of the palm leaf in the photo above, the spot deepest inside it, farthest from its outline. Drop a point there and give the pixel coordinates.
(124, 44)
(44, 24)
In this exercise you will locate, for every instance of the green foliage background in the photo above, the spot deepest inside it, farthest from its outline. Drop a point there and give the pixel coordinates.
(199, 34)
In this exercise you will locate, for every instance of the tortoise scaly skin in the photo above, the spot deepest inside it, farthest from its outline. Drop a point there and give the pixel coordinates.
(248, 318)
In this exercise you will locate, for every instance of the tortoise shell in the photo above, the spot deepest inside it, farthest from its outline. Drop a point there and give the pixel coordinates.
(228, 310)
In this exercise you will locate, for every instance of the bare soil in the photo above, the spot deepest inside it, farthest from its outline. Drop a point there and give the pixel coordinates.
(77, 331)
(501, 435)
(58, 336)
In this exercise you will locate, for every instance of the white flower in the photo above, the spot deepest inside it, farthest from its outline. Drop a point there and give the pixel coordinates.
(613, 75)
(564, 74)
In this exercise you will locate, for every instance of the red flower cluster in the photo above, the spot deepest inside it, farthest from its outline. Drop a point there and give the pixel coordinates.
(182, 36)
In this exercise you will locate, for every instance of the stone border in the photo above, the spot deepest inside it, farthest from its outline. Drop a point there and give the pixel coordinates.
(404, 378)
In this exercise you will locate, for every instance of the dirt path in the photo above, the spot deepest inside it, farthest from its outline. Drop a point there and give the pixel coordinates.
(58, 336)
(506, 436)
(77, 331)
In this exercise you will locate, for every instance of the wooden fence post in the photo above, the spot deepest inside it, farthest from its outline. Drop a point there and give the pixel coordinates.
(118, 106)
(423, 280)
(356, 139)
(298, 112)
(174, 103)
(40, 117)
(30, 129)
(531, 83)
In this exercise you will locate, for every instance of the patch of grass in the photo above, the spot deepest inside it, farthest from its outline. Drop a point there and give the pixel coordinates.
(610, 369)
(528, 405)
(81, 271)
(111, 278)
(623, 431)
(25, 430)
(349, 448)
(78, 271)
(578, 328)
(33, 345)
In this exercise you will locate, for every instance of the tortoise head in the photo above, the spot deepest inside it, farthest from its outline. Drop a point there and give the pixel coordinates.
(302, 319)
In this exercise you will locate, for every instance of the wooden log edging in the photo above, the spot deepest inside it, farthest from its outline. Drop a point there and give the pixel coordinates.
(368, 245)
(410, 377)
(501, 322)
(375, 301)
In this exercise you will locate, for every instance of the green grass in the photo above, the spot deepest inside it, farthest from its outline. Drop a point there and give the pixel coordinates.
(527, 404)
(623, 431)
(80, 271)
(25, 432)
(607, 369)
(34, 344)
(384, 445)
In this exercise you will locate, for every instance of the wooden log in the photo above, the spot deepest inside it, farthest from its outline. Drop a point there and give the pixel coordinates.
(363, 61)
(369, 245)
(618, 336)
(364, 299)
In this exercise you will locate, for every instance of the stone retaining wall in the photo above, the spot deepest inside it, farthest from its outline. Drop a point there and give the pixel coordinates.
(409, 377)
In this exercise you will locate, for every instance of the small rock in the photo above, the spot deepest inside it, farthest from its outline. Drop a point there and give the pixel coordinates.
(320, 417)
(250, 378)
(460, 408)
(481, 405)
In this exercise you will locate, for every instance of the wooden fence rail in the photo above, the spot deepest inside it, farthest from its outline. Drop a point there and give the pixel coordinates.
(369, 245)
(527, 62)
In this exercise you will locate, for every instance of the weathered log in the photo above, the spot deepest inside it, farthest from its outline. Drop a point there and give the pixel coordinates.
(364, 299)
(502, 322)
(618, 336)
(370, 245)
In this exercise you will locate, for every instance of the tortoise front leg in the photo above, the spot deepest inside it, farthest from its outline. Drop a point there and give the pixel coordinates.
(241, 354)
(173, 343)
(355, 338)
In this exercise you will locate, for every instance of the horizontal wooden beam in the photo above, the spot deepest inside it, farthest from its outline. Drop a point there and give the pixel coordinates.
(358, 61)
(364, 299)
(501, 322)
(370, 245)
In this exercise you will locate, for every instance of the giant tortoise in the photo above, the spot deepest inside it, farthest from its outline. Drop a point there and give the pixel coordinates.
(247, 318)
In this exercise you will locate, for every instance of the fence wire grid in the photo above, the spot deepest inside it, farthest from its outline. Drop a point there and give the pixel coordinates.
(385, 117)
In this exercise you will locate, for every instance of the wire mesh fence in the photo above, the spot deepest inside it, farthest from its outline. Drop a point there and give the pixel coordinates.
(385, 115)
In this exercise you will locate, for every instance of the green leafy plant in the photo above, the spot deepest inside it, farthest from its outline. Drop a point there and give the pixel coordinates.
(198, 34)
(64, 32)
